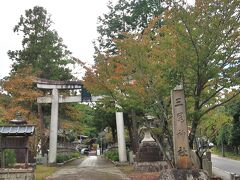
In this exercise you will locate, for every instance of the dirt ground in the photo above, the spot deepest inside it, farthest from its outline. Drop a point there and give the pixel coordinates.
(133, 175)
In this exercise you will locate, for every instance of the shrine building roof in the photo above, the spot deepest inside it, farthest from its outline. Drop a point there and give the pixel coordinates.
(17, 130)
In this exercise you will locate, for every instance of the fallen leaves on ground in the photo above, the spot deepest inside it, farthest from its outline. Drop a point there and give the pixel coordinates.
(144, 176)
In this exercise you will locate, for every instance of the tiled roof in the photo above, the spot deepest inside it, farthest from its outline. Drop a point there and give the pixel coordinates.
(17, 130)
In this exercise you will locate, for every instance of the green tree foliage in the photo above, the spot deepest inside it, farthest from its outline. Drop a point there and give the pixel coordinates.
(86, 120)
(126, 16)
(197, 46)
(223, 136)
(104, 116)
(42, 48)
(79, 117)
(136, 77)
(211, 124)
(233, 109)
(207, 53)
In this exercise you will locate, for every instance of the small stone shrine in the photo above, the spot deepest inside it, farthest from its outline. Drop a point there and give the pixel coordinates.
(149, 157)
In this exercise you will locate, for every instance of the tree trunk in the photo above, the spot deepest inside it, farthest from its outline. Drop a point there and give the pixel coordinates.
(130, 131)
(135, 131)
(196, 117)
(113, 130)
(195, 122)
(169, 141)
(193, 133)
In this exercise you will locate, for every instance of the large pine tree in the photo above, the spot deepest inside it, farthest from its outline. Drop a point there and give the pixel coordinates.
(42, 48)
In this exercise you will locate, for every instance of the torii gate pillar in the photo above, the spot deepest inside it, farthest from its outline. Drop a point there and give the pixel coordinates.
(121, 138)
(53, 128)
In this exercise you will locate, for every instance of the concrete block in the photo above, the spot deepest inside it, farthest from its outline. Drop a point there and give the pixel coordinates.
(207, 166)
(131, 157)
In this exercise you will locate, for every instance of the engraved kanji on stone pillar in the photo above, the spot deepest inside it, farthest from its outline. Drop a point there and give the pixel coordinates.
(180, 133)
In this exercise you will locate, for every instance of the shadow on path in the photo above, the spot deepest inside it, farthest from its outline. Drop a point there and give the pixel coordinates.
(91, 168)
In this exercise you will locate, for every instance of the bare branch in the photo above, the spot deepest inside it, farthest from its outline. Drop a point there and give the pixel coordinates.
(220, 104)
(211, 96)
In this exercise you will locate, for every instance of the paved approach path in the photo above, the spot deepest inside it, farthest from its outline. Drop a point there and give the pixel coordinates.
(91, 168)
(229, 165)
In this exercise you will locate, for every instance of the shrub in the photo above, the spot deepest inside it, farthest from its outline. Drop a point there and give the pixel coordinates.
(10, 157)
(75, 155)
(112, 154)
(64, 157)
(60, 158)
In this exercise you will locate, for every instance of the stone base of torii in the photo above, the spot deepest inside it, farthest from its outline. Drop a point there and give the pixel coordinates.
(55, 99)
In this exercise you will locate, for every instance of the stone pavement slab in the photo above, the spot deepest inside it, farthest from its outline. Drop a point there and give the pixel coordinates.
(91, 168)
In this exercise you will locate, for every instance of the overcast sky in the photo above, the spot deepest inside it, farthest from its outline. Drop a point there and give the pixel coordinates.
(74, 20)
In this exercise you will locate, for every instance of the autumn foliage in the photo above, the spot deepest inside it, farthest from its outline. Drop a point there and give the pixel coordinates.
(136, 75)
(22, 94)
(196, 46)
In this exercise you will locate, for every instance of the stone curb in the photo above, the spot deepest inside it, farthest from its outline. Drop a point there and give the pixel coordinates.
(117, 163)
(61, 164)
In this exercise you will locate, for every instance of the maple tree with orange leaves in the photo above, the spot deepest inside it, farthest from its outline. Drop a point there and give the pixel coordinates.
(196, 46)
(22, 94)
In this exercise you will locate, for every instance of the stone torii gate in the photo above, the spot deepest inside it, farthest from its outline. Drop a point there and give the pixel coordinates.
(54, 99)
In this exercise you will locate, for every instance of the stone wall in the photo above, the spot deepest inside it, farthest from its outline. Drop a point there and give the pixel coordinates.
(17, 174)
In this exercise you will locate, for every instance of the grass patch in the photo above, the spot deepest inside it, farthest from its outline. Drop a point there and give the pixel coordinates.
(41, 171)
(228, 154)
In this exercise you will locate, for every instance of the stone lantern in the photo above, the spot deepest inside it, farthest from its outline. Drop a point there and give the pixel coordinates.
(147, 135)
(149, 157)
(149, 150)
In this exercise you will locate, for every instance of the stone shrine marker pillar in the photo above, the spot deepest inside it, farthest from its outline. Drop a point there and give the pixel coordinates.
(182, 159)
(180, 132)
